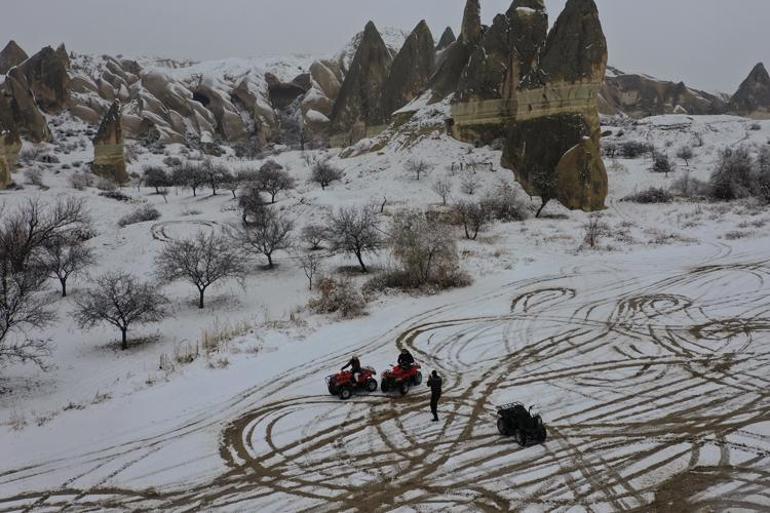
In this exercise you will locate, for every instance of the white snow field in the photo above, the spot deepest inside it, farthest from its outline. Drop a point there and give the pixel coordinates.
(647, 358)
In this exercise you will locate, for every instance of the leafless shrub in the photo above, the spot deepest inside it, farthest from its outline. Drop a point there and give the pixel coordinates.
(81, 181)
(140, 215)
(734, 176)
(251, 203)
(469, 183)
(324, 173)
(651, 195)
(338, 296)
(201, 261)
(503, 203)
(686, 154)
(105, 185)
(311, 265)
(688, 186)
(594, 229)
(118, 299)
(443, 188)
(34, 177)
(472, 216)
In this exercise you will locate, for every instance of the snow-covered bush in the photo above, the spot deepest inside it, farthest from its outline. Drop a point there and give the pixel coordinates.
(690, 187)
(338, 295)
(34, 177)
(140, 215)
(734, 176)
(80, 181)
(651, 195)
(504, 204)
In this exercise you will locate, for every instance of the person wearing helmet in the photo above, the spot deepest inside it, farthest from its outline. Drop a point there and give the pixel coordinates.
(405, 359)
(355, 368)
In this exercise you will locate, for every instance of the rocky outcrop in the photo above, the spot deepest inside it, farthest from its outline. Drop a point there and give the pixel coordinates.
(359, 105)
(411, 70)
(447, 38)
(109, 160)
(10, 147)
(453, 60)
(507, 54)
(283, 94)
(640, 96)
(548, 115)
(18, 108)
(47, 75)
(12, 55)
(753, 95)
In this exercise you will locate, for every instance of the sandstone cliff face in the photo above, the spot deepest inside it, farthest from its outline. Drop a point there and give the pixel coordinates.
(507, 53)
(10, 147)
(47, 74)
(411, 70)
(12, 55)
(753, 96)
(540, 94)
(359, 104)
(18, 108)
(640, 96)
(109, 161)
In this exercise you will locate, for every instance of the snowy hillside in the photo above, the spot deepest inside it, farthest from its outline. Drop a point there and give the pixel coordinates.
(644, 354)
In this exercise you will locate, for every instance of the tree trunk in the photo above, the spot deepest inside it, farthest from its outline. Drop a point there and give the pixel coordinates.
(269, 260)
(200, 299)
(63, 282)
(272, 198)
(124, 341)
(361, 261)
(542, 206)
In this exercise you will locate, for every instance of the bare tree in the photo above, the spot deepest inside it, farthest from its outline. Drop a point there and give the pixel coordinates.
(267, 234)
(117, 298)
(190, 175)
(685, 153)
(424, 247)
(156, 177)
(595, 229)
(313, 235)
(233, 184)
(311, 265)
(469, 183)
(27, 229)
(64, 257)
(324, 173)
(443, 187)
(473, 216)
(202, 261)
(251, 203)
(662, 164)
(355, 231)
(272, 179)
(418, 168)
(215, 176)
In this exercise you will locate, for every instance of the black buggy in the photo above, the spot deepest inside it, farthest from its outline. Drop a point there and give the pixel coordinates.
(516, 421)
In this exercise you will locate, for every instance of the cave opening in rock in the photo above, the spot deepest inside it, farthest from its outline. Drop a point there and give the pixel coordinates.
(201, 98)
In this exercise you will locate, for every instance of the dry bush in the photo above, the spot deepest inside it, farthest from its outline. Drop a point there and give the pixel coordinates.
(651, 195)
(338, 295)
(142, 214)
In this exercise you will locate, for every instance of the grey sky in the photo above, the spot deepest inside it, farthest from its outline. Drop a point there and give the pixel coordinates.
(710, 44)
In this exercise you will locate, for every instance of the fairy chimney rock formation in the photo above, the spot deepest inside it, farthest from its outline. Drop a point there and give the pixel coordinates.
(753, 96)
(358, 110)
(12, 55)
(109, 160)
(544, 105)
(411, 69)
(447, 38)
(47, 74)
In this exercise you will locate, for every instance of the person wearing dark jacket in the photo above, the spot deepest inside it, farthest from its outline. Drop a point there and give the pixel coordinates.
(435, 382)
(355, 368)
(405, 359)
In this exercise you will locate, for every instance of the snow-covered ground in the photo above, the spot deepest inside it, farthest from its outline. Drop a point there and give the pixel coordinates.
(646, 357)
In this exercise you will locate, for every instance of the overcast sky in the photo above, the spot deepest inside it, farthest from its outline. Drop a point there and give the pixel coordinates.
(711, 44)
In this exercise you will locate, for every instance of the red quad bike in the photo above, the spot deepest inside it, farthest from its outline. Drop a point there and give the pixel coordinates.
(342, 384)
(401, 379)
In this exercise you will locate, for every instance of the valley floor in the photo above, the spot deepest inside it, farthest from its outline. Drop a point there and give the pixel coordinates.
(646, 356)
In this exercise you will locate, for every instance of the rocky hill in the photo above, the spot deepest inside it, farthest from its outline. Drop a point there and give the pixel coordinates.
(753, 96)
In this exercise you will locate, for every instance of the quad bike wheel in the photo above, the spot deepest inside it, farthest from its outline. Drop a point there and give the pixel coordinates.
(541, 434)
(522, 438)
(418, 379)
(501, 427)
(371, 385)
(403, 388)
(385, 386)
(333, 389)
(346, 393)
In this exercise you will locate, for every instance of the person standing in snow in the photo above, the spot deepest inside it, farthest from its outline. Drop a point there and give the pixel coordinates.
(435, 382)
